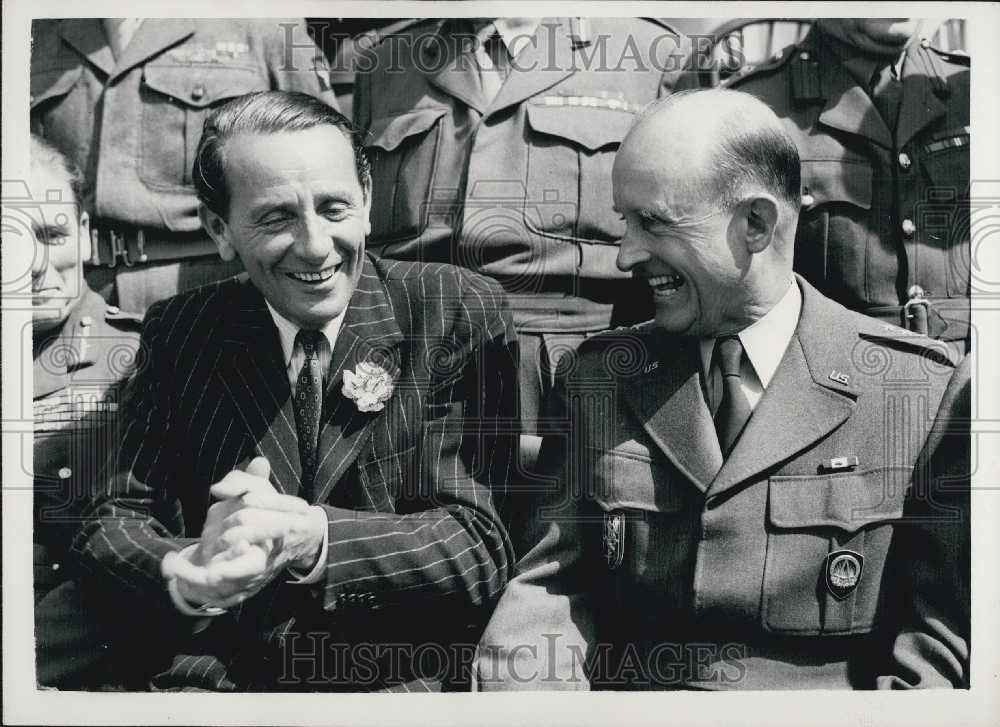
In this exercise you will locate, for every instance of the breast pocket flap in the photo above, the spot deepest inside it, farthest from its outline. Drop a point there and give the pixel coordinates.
(389, 132)
(847, 502)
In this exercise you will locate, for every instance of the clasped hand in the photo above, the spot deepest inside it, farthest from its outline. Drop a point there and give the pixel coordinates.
(251, 535)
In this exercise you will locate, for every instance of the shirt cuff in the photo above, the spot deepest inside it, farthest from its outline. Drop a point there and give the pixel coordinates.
(316, 574)
(182, 605)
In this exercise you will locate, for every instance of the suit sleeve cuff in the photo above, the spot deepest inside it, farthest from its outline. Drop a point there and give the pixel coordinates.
(319, 569)
(186, 608)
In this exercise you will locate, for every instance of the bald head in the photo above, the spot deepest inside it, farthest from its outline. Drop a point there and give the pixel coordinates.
(729, 144)
(708, 185)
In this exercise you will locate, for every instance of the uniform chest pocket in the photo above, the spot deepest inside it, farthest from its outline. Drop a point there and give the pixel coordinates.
(827, 541)
(646, 538)
(404, 152)
(945, 217)
(570, 153)
(833, 234)
(175, 101)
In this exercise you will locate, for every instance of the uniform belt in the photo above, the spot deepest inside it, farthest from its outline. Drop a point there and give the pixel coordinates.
(129, 245)
(946, 319)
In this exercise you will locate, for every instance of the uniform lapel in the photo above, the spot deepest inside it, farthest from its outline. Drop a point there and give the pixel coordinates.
(803, 403)
(252, 371)
(545, 61)
(369, 333)
(151, 39)
(848, 106)
(71, 349)
(459, 73)
(920, 106)
(669, 403)
(87, 36)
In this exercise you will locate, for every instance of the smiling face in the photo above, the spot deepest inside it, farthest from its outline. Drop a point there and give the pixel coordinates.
(680, 242)
(298, 218)
(61, 241)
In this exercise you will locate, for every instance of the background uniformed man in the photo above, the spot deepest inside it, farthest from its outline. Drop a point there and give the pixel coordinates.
(82, 349)
(125, 98)
(881, 120)
(492, 142)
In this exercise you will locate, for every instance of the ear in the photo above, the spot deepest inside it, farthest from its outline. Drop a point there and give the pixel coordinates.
(367, 189)
(84, 231)
(761, 222)
(218, 229)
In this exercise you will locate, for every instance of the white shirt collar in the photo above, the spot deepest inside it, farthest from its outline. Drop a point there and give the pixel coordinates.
(287, 331)
(765, 340)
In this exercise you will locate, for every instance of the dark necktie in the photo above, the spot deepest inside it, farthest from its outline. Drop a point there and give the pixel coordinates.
(308, 406)
(887, 92)
(734, 409)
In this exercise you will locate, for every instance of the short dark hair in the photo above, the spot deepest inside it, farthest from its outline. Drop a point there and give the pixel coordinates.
(264, 112)
(44, 153)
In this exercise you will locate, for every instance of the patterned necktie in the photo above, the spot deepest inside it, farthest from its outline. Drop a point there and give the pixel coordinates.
(734, 409)
(493, 59)
(308, 406)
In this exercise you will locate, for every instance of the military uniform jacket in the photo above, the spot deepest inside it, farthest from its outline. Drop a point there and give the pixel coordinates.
(881, 211)
(518, 188)
(829, 550)
(132, 124)
(407, 490)
(76, 388)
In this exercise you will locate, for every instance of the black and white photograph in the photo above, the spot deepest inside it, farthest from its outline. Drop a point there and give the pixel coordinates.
(575, 354)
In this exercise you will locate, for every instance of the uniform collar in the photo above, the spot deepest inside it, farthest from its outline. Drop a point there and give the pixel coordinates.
(764, 340)
(68, 349)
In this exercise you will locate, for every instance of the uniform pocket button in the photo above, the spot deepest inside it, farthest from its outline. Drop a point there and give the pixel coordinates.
(65, 473)
(198, 92)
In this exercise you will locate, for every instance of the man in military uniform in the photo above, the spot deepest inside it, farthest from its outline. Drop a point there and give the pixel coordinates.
(759, 488)
(125, 99)
(82, 348)
(492, 142)
(881, 120)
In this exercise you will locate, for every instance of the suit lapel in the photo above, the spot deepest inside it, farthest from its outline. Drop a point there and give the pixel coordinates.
(253, 372)
(802, 404)
(550, 58)
(369, 333)
(671, 407)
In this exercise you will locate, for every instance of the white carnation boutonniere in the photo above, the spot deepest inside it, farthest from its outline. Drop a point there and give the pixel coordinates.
(369, 386)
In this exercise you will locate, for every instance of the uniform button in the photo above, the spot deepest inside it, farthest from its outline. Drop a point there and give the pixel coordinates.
(916, 292)
(924, 43)
(904, 160)
(86, 321)
(804, 55)
(114, 310)
(198, 92)
(777, 55)
(55, 566)
(807, 200)
(65, 473)
(908, 227)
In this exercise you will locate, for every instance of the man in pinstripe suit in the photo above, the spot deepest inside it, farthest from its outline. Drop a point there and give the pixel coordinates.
(259, 540)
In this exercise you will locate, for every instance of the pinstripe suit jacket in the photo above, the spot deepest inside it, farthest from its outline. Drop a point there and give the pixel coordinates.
(407, 490)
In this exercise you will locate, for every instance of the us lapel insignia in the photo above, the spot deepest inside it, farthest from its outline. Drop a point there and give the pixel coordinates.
(840, 378)
(843, 570)
(614, 538)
